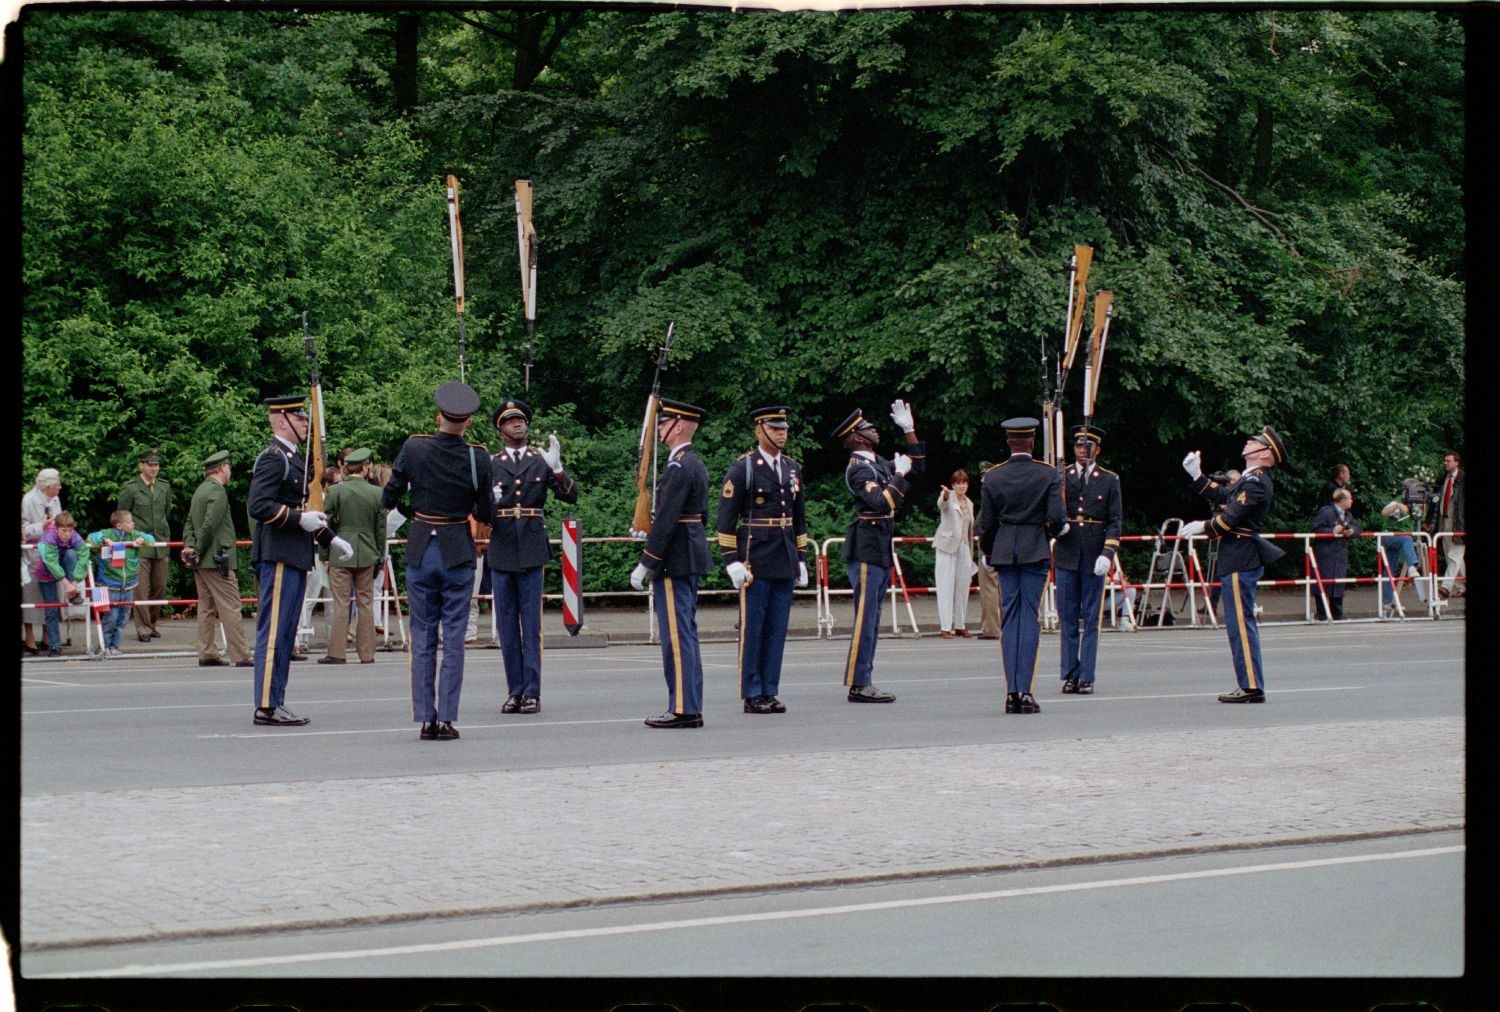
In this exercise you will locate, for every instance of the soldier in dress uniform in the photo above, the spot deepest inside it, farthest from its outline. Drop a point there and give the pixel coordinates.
(675, 557)
(208, 549)
(1240, 510)
(1021, 507)
(762, 528)
(450, 480)
(518, 549)
(148, 497)
(879, 488)
(354, 511)
(1082, 557)
(281, 550)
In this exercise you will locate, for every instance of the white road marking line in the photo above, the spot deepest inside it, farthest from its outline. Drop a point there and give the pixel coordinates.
(695, 923)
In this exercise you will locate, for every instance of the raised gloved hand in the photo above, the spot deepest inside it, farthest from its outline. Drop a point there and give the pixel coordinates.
(801, 574)
(639, 576)
(1101, 566)
(901, 415)
(553, 454)
(342, 549)
(1193, 465)
(312, 520)
(1191, 528)
(738, 574)
(903, 464)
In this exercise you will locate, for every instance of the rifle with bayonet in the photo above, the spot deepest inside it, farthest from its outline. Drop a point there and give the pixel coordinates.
(526, 243)
(456, 237)
(640, 522)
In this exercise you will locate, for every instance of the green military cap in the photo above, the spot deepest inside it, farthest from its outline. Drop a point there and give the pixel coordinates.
(149, 455)
(358, 456)
(213, 460)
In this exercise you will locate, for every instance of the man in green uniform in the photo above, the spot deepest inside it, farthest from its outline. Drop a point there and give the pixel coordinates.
(355, 514)
(208, 550)
(149, 500)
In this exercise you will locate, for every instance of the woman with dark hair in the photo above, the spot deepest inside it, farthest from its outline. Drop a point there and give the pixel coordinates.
(953, 544)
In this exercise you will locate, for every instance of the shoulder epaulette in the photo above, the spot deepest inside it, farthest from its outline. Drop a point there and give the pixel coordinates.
(420, 435)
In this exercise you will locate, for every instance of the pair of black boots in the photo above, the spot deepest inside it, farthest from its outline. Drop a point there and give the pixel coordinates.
(1021, 702)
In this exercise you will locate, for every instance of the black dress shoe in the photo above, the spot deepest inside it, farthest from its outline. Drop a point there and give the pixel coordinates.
(511, 704)
(1070, 685)
(331, 660)
(446, 731)
(213, 662)
(30, 648)
(530, 704)
(869, 694)
(756, 704)
(1012, 702)
(54, 651)
(985, 636)
(429, 731)
(144, 637)
(155, 635)
(676, 720)
(1244, 696)
(244, 664)
(280, 717)
(774, 705)
(1028, 704)
(1085, 688)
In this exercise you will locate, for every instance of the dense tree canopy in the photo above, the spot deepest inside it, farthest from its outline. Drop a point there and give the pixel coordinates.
(835, 208)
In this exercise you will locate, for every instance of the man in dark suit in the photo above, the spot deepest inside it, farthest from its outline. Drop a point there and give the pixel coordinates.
(1240, 510)
(1021, 507)
(879, 487)
(1445, 516)
(1081, 558)
(675, 557)
(518, 549)
(281, 550)
(450, 480)
(1332, 553)
(762, 528)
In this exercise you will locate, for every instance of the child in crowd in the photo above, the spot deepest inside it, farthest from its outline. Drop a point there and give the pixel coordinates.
(118, 571)
(60, 571)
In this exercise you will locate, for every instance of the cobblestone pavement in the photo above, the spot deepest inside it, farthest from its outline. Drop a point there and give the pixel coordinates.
(143, 864)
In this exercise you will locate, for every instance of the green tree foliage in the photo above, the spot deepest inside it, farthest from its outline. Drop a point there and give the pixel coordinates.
(835, 208)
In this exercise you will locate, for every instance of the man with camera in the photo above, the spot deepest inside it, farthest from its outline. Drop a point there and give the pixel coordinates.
(1445, 521)
(208, 550)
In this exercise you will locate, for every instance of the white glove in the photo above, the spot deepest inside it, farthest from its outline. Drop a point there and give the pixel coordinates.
(1187, 530)
(801, 574)
(901, 415)
(342, 547)
(738, 574)
(638, 576)
(1065, 529)
(640, 535)
(1193, 465)
(312, 520)
(1101, 566)
(903, 464)
(553, 454)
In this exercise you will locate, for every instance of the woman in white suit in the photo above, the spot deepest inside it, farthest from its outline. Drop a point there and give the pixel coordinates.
(954, 545)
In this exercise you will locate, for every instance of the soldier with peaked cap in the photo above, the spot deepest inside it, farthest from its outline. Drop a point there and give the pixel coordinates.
(148, 497)
(1021, 507)
(354, 511)
(518, 549)
(449, 479)
(674, 558)
(1081, 558)
(762, 529)
(208, 549)
(281, 550)
(1240, 512)
(879, 487)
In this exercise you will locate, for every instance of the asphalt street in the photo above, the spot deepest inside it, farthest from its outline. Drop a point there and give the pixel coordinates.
(158, 819)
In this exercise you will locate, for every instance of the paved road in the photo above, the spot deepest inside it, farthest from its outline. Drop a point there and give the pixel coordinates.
(153, 810)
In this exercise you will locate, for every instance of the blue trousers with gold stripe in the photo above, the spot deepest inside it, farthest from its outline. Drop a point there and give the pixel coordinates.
(280, 605)
(1021, 588)
(518, 613)
(438, 596)
(676, 599)
(870, 584)
(1237, 601)
(765, 611)
(1080, 596)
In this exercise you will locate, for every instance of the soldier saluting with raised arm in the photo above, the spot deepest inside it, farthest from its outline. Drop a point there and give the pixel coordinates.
(879, 488)
(449, 479)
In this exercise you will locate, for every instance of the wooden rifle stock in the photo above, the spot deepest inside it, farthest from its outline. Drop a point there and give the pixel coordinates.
(640, 521)
(1103, 308)
(312, 490)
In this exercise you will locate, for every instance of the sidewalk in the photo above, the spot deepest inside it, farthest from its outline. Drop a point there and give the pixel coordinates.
(717, 619)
